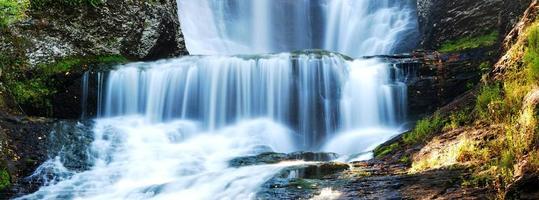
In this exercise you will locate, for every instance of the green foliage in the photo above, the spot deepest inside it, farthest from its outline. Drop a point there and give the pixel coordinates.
(43, 4)
(33, 92)
(459, 118)
(531, 56)
(11, 11)
(488, 95)
(424, 128)
(470, 43)
(5, 179)
(385, 150)
(35, 88)
(485, 67)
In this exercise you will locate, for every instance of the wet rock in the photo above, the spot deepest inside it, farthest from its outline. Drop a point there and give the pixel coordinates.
(272, 158)
(324, 169)
(435, 79)
(26, 143)
(23, 146)
(526, 184)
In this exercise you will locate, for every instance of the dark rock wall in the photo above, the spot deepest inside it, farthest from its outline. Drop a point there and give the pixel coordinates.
(443, 20)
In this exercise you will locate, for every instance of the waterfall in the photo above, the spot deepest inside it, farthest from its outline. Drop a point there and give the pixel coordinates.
(352, 27)
(316, 94)
(168, 129)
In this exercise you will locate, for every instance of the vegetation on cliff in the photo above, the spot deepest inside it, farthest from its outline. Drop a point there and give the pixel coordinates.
(467, 43)
(494, 131)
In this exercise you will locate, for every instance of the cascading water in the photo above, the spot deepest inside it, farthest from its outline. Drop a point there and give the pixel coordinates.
(167, 129)
(352, 27)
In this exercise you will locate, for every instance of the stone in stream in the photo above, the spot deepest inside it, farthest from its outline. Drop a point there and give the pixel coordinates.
(272, 158)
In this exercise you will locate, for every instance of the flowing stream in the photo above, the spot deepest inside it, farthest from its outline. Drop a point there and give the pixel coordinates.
(168, 129)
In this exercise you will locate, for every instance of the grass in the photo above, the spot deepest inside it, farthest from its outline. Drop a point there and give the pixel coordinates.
(470, 43)
(489, 101)
(424, 128)
(460, 152)
(531, 56)
(458, 119)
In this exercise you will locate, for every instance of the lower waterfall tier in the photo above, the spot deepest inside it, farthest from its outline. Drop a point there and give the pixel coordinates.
(316, 94)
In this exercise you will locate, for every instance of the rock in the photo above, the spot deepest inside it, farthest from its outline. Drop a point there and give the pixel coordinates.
(272, 158)
(26, 143)
(324, 169)
(441, 20)
(23, 145)
(139, 30)
(435, 79)
(303, 181)
(526, 184)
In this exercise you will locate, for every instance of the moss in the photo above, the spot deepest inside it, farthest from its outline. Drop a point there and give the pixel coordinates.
(80, 63)
(33, 92)
(485, 67)
(44, 4)
(5, 179)
(405, 160)
(470, 43)
(12, 11)
(424, 128)
(385, 150)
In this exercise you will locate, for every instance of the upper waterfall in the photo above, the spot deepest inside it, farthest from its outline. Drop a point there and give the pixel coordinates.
(351, 27)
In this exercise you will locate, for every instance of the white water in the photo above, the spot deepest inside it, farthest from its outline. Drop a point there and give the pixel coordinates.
(316, 95)
(167, 129)
(352, 27)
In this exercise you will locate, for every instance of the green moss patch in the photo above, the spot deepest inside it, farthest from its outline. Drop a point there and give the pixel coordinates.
(5, 179)
(44, 4)
(12, 11)
(470, 43)
(385, 150)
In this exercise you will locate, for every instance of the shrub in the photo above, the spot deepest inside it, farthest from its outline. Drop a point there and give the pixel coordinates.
(485, 99)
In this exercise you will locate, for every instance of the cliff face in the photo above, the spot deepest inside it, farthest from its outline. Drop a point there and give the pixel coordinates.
(138, 30)
(441, 21)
